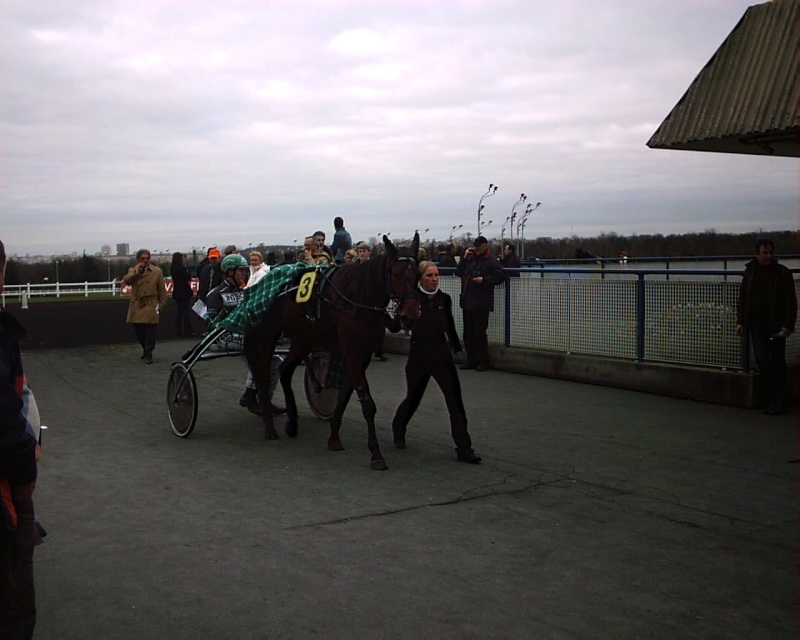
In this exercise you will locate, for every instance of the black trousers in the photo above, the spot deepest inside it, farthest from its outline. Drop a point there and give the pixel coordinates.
(146, 334)
(476, 342)
(446, 377)
(771, 360)
(17, 594)
(183, 307)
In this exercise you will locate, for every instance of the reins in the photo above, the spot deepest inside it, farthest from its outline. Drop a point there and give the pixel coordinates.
(387, 273)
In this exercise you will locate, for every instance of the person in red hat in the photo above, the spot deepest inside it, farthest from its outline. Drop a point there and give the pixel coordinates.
(210, 275)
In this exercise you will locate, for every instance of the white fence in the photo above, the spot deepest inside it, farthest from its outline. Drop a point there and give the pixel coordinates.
(20, 293)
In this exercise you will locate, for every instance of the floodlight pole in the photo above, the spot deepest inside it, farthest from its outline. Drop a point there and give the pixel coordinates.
(530, 209)
(522, 198)
(492, 190)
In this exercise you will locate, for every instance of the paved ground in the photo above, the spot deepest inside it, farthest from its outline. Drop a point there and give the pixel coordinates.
(598, 513)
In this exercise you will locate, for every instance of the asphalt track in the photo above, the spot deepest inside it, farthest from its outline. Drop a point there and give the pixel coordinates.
(597, 513)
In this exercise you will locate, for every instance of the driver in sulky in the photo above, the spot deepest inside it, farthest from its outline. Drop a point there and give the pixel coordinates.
(220, 302)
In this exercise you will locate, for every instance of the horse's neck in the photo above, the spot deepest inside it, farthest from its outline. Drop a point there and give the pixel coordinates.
(366, 285)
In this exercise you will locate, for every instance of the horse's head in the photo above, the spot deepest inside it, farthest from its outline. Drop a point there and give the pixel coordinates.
(403, 278)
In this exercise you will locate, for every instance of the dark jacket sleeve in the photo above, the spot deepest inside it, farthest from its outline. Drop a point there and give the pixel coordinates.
(204, 283)
(493, 272)
(790, 300)
(17, 446)
(214, 305)
(452, 334)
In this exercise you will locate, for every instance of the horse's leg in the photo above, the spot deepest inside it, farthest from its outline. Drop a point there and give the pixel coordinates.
(345, 392)
(356, 369)
(287, 371)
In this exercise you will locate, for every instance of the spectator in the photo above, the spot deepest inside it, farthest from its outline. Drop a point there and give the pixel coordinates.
(433, 339)
(289, 257)
(319, 238)
(510, 260)
(18, 456)
(148, 298)
(258, 269)
(230, 249)
(181, 294)
(364, 251)
(209, 275)
(444, 258)
(313, 252)
(767, 310)
(350, 256)
(272, 259)
(480, 272)
(342, 242)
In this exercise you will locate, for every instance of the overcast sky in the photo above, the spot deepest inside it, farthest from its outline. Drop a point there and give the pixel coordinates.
(181, 124)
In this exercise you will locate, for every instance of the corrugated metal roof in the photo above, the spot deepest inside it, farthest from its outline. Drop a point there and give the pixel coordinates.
(745, 100)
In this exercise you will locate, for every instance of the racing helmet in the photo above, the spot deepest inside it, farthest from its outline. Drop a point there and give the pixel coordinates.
(233, 261)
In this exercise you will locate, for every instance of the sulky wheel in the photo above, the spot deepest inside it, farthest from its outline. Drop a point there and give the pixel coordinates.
(181, 400)
(321, 400)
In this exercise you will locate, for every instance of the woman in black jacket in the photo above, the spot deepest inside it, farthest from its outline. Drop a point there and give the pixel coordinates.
(433, 339)
(181, 294)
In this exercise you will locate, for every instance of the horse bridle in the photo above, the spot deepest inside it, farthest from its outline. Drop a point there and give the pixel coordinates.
(397, 302)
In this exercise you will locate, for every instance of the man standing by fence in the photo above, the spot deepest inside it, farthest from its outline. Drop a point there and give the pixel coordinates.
(767, 309)
(480, 273)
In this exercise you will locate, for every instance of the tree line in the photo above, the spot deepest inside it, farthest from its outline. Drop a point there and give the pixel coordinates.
(606, 245)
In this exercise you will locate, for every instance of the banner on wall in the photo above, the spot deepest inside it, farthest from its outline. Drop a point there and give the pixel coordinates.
(194, 283)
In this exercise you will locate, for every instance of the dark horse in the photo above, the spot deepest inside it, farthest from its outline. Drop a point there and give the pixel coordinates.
(344, 315)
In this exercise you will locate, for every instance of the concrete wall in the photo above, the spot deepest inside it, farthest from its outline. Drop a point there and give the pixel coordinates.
(707, 385)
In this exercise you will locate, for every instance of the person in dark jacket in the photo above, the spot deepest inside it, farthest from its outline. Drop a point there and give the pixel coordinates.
(433, 339)
(209, 275)
(511, 260)
(17, 481)
(767, 310)
(181, 294)
(480, 273)
(444, 258)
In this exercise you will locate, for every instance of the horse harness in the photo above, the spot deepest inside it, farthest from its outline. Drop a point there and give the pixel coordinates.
(315, 298)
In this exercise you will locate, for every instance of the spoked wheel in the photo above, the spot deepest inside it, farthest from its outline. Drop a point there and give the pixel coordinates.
(181, 400)
(321, 400)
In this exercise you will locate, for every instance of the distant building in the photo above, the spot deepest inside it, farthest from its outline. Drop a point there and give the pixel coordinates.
(123, 249)
(105, 250)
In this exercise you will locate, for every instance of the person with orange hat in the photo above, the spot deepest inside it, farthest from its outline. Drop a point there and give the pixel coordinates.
(210, 275)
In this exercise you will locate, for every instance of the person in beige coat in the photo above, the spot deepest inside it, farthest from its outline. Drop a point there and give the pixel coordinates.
(148, 298)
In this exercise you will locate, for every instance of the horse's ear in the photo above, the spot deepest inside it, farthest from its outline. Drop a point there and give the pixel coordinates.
(390, 248)
(415, 245)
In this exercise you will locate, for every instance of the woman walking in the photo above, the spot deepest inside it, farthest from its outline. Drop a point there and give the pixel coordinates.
(433, 339)
(148, 298)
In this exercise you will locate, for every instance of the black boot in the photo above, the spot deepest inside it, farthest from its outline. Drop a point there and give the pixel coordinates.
(468, 455)
(249, 401)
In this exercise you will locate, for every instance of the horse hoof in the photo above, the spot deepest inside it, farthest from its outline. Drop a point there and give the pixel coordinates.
(271, 434)
(335, 445)
(379, 465)
(291, 430)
